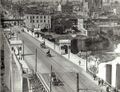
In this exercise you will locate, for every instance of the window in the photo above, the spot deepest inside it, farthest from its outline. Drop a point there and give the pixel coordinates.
(44, 17)
(41, 21)
(41, 17)
(27, 17)
(44, 20)
(37, 21)
(30, 21)
(33, 21)
(33, 17)
(48, 17)
(37, 17)
(30, 17)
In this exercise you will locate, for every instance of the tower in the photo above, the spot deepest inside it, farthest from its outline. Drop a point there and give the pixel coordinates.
(59, 8)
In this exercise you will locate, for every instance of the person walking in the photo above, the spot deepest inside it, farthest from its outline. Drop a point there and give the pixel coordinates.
(99, 81)
(115, 90)
(102, 82)
(107, 89)
(94, 76)
(79, 62)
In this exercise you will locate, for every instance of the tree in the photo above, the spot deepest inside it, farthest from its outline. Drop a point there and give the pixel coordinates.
(59, 29)
(110, 32)
(19, 8)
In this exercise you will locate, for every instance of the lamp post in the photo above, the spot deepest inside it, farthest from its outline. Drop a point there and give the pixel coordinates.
(77, 82)
(51, 79)
(86, 61)
(36, 61)
(23, 50)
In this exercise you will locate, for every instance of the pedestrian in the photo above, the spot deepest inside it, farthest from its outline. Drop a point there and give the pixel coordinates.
(99, 81)
(102, 82)
(79, 62)
(115, 90)
(20, 48)
(94, 76)
(48, 52)
(107, 89)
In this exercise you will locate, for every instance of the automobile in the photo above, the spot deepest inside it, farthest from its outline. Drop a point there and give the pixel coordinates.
(43, 45)
(18, 32)
(22, 30)
(49, 55)
(57, 82)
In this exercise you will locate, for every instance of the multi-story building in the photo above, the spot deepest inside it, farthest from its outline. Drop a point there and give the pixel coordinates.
(94, 7)
(107, 2)
(94, 4)
(37, 20)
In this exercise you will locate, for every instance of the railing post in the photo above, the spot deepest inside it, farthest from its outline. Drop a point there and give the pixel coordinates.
(77, 82)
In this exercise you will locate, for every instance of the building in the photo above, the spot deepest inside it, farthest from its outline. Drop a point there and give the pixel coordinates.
(35, 19)
(67, 8)
(59, 8)
(109, 25)
(110, 72)
(107, 2)
(110, 29)
(94, 4)
(94, 7)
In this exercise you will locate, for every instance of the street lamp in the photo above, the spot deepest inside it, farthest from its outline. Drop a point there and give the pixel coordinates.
(51, 79)
(23, 50)
(36, 61)
(86, 61)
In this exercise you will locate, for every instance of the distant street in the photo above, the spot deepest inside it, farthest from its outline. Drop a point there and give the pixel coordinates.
(66, 70)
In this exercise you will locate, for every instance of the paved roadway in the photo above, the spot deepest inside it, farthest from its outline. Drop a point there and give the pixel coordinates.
(64, 68)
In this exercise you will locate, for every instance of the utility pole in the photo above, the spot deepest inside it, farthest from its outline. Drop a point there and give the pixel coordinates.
(23, 50)
(36, 60)
(86, 61)
(51, 80)
(11, 74)
(77, 82)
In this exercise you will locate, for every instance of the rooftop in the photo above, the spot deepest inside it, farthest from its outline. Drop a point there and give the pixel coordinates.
(36, 11)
